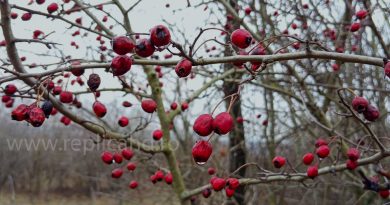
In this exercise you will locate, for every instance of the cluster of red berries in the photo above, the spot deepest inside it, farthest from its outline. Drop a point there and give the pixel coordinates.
(122, 45)
(159, 176)
(361, 105)
(361, 14)
(109, 158)
(217, 184)
(204, 125)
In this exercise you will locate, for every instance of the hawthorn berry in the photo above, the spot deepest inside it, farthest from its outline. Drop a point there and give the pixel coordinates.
(127, 153)
(203, 125)
(353, 154)
(241, 38)
(20, 113)
(359, 104)
(387, 69)
(248, 10)
(65, 96)
(122, 45)
(184, 106)
(65, 120)
(99, 109)
(361, 14)
(218, 184)
(211, 170)
(123, 121)
(233, 183)
(168, 178)
(36, 116)
(240, 120)
(93, 82)
(278, 161)
(10, 103)
(107, 157)
(183, 68)
(160, 36)
(229, 192)
(149, 105)
(223, 123)
(323, 151)
(157, 134)
(131, 166)
(355, 27)
(144, 48)
(133, 184)
(312, 171)
(159, 175)
(202, 151)
(116, 173)
(384, 194)
(118, 158)
(5, 98)
(40, 1)
(14, 15)
(121, 65)
(371, 113)
(173, 106)
(319, 142)
(351, 164)
(126, 104)
(308, 158)
(26, 16)
(53, 7)
(10, 89)
(153, 179)
(206, 193)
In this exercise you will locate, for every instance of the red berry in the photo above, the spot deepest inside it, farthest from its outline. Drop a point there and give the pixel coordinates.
(107, 157)
(361, 14)
(384, 194)
(159, 175)
(36, 116)
(157, 134)
(203, 125)
(131, 166)
(57, 90)
(5, 98)
(14, 15)
(116, 173)
(10, 89)
(223, 123)
(153, 179)
(183, 68)
(160, 36)
(211, 171)
(118, 158)
(387, 69)
(26, 16)
(229, 192)
(248, 10)
(149, 105)
(320, 142)
(201, 151)
(351, 164)
(241, 38)
(279, 161)
(123, 121)
(122, 45)
(133, 184)
(294, 26)
(121, 65)
(65, 120)
(312, 171)
(168, 178)
(173, 106)
(240, 120)
(322, 151)
(335, 67)
(206, 193)
(233, 183)
(20, 113)
(218, 184)
(308, 158)
(353, 154)
(53, 7)
(371, 113)
(184, 106)
(40, 1)
(355, 27)
(359, 104)
(126, 104)
(99, 109)
(144, 48)
(127, 153)
(66, 96)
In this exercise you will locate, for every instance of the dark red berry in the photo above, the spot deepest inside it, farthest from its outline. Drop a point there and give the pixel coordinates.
(123, 121)
(53, 7)
(116, 173)
(211, 171)
(323, 151)
(36, 116)
(121, 65)
(122, 45)
(168, 178)
(107, 157)
(10, 89)
(149, 105)
(223, 123)
(127, 153)
(278, 161)
(183, 68)
(206, 193)
(157, 134)
(241, 38)
(353, 154)
(361, 14)
(184, 106)
(320, 142)
(308, 158)
(312, 171)
(218, 184)
(229, 192)
(65, 120)
(351, 164)
(387, 69)
(233, 183)
(371, 113)
(93, 82)
(66, 96)
(144, 48)
(202, 151)
(5, 98)
(359, 104)
(159, 175)
(20, 113)
(203, 125)
(26, 16)
(173, 106)
(384, 194)
(355, 27)
(99, 109)
(118, 158)
(160, 36)
(126, 104)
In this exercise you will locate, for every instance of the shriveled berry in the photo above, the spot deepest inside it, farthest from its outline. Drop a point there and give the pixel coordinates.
(323, 151)
(371, 113)
(93, 81)
(66, 97)
(122, 45)
(218, 184)
(278, 161)
(121, 65)
(36, 116)
(353, 154)
(116, 173)
(183, 68)
(359, 104)
(123, 121)
(144, 48)
(157, 134)
(202, 151)
(149, 105)
(99, 109)
(312, 171)
(241, 38)
(203, 125)
(308, 158)
(20, 113)
(223, 123)
(127, 153)
(160, 36)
